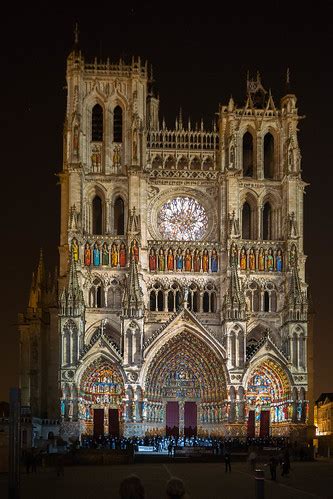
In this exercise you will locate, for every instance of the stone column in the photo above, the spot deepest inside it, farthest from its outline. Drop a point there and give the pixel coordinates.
(237, 349)
(291, 349)
(201, 302)
(107, 217)
(166, 292)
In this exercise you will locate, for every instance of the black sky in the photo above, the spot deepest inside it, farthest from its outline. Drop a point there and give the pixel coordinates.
(200, 57)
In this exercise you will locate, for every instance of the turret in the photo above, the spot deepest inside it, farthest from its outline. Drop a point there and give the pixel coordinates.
(71, 300)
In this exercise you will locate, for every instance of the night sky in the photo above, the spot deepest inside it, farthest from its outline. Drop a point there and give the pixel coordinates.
(200, 58)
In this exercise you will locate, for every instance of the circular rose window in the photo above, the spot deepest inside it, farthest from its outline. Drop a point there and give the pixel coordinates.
(182, 219)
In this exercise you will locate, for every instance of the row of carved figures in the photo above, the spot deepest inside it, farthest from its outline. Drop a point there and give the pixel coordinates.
(189, 261)
(261, 259)
(97, 254)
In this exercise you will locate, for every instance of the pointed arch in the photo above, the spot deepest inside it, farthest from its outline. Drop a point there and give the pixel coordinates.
(96, 294)
(97, 215)
(271, 214)
(267, 229)
(114, 295)
(170, 162)
(268, 387)
(188, 356)
(119, 216)
(249, 216)
(101, 385)
(157, 162)
(269, 156)
(118, 124)
(248, 154)
(97, 123)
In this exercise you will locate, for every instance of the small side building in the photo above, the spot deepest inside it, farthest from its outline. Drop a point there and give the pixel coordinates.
(323, 420)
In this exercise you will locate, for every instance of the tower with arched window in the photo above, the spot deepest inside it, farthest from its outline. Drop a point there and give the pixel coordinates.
(182, 293)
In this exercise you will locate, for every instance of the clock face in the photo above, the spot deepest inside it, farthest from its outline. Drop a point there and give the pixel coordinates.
(182, 219)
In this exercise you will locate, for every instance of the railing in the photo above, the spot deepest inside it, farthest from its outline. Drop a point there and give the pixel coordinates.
(120, 69)
(183, 140)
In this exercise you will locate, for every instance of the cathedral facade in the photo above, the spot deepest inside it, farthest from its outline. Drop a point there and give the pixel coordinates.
(181, 302)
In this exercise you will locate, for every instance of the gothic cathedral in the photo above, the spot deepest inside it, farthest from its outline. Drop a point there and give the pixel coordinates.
(181, 303)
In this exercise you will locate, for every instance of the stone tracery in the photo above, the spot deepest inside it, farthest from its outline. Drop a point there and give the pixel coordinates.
(182, 218)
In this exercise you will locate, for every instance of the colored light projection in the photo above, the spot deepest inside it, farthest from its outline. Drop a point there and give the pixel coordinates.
(186, 368)
(101, 386)
(182, 219)
(268, 389)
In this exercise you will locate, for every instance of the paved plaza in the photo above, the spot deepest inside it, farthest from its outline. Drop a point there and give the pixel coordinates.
(202, 480)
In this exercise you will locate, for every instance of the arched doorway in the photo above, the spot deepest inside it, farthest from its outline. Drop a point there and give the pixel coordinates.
(101, 398)
(268, 397)
(185, 387)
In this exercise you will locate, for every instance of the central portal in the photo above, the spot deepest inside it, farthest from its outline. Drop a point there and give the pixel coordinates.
(185, 387)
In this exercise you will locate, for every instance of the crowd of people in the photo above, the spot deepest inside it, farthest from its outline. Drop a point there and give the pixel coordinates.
(159, 443)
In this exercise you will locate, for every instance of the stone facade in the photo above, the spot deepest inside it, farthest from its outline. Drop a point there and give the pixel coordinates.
(182, 271)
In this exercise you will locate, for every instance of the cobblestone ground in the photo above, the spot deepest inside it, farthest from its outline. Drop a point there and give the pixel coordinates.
(203, 481)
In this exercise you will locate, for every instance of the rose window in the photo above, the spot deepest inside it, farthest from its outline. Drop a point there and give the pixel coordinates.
(182, 219)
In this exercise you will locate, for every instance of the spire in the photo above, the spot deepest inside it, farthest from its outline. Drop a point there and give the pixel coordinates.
(40, 275)
(231, 104)
(256, 91)
(73, 283)
(33, 295)
(38, 284)
(180, 118)
(234, 304)
(297, 302)
(76, 35)
(132, 301)
(71, 298)
(288, 85)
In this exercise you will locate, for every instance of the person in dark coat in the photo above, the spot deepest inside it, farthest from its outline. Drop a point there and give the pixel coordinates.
(227, 461)
(285, 464)
(272, 467)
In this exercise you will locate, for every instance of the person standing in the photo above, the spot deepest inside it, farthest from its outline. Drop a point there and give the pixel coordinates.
(285, 464)
(272, 467)
(227, 461)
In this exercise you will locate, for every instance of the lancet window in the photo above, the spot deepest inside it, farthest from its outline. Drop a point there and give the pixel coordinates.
(248, 156)
(97, 215)
(269, 156)
(117, 124)
(114, 295)
(261, 298)
(96, 294)
(119, 216)
(97, 124)
(156, 298)
(267, 222)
